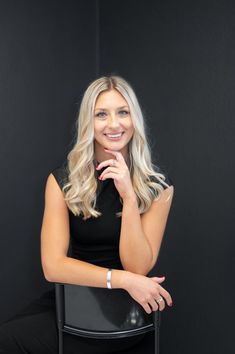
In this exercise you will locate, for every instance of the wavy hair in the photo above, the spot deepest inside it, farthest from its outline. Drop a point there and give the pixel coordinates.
(81, 186)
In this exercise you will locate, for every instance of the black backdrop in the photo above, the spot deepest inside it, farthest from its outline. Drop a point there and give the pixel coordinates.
(179, 56)
(48, 56)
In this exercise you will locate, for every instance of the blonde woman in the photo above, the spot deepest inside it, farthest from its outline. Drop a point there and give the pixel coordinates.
(110, 203)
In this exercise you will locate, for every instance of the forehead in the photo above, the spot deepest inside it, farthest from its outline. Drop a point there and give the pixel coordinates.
(110, 99)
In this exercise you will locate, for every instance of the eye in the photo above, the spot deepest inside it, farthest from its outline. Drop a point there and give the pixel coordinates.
(101, 114)
(123, 112)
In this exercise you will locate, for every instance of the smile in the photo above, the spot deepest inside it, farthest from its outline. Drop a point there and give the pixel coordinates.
(118, 135)
(114, 137)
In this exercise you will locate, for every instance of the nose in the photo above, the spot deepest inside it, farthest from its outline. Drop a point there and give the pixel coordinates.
(113, 121)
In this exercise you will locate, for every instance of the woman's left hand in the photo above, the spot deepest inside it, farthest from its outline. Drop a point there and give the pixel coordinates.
(118, 170)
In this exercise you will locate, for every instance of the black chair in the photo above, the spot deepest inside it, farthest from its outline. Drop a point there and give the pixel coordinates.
(102, 313)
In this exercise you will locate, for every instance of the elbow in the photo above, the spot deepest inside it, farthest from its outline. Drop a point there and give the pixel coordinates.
(143, 269)
(49, 278)
(50, 272)
(143, 272)
(137, 270)
(48, 275)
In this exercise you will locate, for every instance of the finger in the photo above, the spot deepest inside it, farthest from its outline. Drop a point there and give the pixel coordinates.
(158, 279)
(147, 308)
(154, 305)
(161, 304)
(110, 175)
(117, 154)
(107, 170)
(166, 295)
(106, 163)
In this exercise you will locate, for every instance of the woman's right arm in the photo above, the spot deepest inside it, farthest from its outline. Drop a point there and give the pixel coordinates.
(59, 268)
(55, 234)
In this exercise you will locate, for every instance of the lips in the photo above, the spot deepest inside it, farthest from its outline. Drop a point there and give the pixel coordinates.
(114, 135)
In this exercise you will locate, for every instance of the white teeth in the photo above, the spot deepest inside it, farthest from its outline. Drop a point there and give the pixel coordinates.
(114, 135)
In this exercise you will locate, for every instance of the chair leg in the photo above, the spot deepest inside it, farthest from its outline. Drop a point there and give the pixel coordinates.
(156, 332)
(60, 333)
(156, 341)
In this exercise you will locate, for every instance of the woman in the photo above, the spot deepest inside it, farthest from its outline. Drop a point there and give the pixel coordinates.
(111, 205)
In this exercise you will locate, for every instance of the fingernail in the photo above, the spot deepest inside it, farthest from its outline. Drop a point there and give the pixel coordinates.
(171, 304)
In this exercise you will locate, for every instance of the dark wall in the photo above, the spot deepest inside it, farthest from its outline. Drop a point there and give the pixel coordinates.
(48, 56)
(179, 56)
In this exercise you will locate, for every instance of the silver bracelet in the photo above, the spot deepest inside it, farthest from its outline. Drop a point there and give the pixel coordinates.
(109, 274)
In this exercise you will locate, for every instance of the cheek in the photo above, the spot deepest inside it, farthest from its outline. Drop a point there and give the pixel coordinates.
(98, 128)
(130, 126)
(130, 131)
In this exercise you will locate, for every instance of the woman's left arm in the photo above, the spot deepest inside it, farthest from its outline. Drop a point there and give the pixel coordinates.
(141, 235)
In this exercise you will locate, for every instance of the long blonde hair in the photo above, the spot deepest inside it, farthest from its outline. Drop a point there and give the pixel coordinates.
(81, 185)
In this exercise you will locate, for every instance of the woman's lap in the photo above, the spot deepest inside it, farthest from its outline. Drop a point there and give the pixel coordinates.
(30, 334)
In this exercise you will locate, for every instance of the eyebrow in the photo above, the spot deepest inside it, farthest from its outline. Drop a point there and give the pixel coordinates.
(104, 109)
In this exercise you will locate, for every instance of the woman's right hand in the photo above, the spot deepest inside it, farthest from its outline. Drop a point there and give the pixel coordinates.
(146, 290)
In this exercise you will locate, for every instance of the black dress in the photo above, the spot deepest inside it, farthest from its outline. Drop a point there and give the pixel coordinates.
(96, 240)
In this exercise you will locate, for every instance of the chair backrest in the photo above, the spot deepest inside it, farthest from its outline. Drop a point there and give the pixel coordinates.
(101, 313)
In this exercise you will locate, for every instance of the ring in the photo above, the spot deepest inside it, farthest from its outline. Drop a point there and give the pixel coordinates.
(160, 299)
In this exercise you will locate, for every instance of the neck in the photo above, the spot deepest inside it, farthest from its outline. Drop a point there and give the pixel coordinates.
(99, 160)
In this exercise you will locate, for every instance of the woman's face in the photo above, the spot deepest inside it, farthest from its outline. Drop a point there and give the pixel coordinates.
(113, 127)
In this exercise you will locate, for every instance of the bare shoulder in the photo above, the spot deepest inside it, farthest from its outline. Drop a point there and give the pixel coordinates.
(54, 196)
(166, 196)
(56, 211)
(55, 207)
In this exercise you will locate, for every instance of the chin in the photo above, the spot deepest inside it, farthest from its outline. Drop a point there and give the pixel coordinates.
(114, 146)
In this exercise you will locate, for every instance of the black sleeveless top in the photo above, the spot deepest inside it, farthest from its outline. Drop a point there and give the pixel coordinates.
(96, 240)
